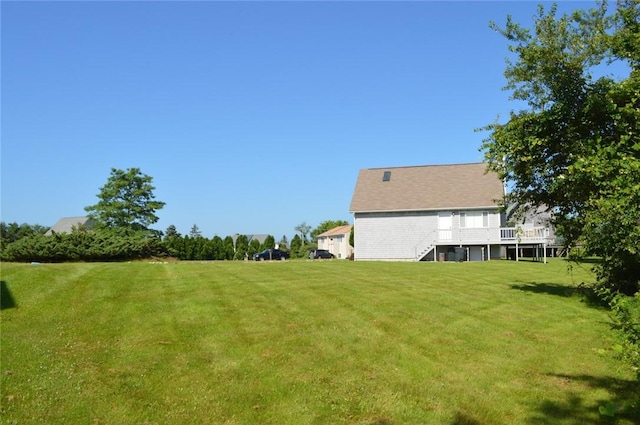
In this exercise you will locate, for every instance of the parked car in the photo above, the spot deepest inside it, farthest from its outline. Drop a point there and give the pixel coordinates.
(271, 254)
(314, 254)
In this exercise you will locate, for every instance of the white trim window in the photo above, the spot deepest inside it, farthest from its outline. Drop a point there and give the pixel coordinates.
(474, 219)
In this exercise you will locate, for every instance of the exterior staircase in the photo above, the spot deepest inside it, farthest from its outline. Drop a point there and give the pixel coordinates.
(425, 246)
(424, 252)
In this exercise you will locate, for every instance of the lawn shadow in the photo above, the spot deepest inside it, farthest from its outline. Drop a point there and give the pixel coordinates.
(588, 260)
(6, 299)
(464, 419)
(623, 403)
(546, 288)
(586, 294)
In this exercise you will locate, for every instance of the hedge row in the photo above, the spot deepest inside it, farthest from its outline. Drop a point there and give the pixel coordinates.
(83, 246)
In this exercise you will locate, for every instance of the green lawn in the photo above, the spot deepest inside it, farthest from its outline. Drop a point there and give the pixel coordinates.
(301, 342)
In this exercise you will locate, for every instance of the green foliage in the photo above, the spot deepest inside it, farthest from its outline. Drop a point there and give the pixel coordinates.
(296, 241)
(126, 202)
(12, 232)
(352, 241)
(576, 149)
(171, 232)
(284, 242)
(242, 247)
(227, 248)
(625, 312)
(254, 247)
(269, 243)
(326, 225)
(217, 245)
(299, 247)
(83, 245)
(174, 245)
(303, 230)
(195, 231)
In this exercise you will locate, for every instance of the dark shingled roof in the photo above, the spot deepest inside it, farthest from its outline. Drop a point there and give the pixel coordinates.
(423, 188)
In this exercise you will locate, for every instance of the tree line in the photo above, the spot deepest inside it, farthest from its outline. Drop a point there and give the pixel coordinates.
(28, 243)
(122, 218)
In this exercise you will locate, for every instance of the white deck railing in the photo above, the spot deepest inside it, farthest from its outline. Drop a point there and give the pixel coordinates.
(524, 235)
(491, 235)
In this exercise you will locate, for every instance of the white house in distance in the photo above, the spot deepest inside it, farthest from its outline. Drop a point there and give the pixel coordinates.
(434, 213)
(336, 241)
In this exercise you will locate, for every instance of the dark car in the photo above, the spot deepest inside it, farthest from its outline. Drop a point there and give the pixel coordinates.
(314, 254)
(271, 254)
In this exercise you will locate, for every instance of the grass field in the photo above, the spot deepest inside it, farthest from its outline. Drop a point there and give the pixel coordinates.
(302, 342)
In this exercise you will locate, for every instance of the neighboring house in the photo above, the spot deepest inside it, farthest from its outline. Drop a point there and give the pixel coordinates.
(437, 212)
(526, 217)
(67, 224)
(336, 241)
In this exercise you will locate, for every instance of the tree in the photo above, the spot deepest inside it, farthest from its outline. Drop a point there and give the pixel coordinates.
(126, 202)
(241, 246)
(175, 244)
(303, 228)
(269, 242)
(195, 232)
(218, 248)
(13, 231)
(284, 242)
(326, 225)
(227, 246)
(254, 247)
(576, 148)
(171, 232)
(352, 237)
(296, 245)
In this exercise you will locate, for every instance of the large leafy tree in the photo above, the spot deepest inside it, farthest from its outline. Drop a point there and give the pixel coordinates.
(575, 146)
(126, 202)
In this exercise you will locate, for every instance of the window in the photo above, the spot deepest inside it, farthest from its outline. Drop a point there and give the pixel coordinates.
(474, 219)
(386, 176)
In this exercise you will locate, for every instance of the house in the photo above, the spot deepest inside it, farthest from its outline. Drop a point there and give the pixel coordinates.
(336, 241)
(67, 224)
(527, 216)
(433, 213)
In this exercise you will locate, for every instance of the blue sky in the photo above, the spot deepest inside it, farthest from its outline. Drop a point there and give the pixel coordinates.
(251, 117)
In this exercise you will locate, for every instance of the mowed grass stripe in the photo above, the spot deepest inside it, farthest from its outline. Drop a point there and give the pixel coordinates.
(301, 342)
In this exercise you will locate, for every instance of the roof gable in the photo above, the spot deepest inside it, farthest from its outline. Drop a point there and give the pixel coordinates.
(67, 224)
(430, 187)
(260, 237)
(340, 230)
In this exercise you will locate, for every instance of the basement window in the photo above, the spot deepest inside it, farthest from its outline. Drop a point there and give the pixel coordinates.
(386, 176)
